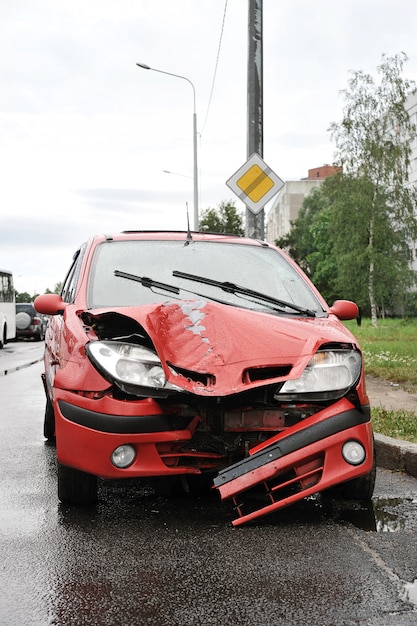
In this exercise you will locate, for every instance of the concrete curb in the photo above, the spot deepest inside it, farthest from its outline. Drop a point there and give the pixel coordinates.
(396, 454)
(21, 366)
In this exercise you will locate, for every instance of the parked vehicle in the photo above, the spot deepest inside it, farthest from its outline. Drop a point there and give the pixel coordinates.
(175, 355)
(29, 323)
(7, 308)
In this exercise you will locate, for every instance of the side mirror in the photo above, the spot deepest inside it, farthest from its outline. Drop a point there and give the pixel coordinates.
(345, 309)
(50, 304)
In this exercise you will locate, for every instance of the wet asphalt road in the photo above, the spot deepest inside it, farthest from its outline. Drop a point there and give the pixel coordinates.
(139, 558)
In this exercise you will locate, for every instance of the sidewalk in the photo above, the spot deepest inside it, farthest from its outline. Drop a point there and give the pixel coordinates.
(393, 454)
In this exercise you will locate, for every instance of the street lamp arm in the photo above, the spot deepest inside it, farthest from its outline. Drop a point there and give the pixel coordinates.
(177, 174)
(147, 67)
(195, 176)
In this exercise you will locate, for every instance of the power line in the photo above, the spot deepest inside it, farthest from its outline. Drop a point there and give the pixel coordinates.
(215, 68)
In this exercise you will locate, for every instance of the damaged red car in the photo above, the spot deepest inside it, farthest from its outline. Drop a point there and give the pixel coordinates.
(200, 356)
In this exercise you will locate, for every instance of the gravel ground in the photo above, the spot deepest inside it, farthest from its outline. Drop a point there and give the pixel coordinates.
(390, 396)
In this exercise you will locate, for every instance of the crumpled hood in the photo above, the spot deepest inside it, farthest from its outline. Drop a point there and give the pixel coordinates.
(223, 343)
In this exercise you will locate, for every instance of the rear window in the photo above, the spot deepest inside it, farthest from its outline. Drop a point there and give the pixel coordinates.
(25, 308)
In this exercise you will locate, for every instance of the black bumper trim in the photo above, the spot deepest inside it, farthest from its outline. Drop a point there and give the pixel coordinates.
(291, 443)
(121, 424)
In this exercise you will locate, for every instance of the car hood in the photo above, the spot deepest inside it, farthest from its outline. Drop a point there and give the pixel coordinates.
(214, 349)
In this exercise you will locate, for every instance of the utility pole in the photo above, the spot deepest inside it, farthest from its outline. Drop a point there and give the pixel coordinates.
(255, 223)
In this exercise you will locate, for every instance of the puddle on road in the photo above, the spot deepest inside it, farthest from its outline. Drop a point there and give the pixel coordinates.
(383, 515)
(410, 592)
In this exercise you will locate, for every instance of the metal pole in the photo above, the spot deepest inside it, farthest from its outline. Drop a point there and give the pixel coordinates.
(195, 169)
(195, 172)
(255, 222)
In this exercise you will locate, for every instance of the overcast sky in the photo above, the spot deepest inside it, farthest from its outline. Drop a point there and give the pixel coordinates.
(85, 135)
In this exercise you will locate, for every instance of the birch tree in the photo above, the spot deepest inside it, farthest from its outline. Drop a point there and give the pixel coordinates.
(373, 145)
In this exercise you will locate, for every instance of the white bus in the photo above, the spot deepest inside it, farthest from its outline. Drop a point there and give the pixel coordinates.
(7, 308)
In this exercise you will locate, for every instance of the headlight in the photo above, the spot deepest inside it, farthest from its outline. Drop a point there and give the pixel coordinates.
(329, 374)
(134, 368)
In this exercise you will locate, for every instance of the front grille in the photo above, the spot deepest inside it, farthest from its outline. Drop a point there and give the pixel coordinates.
(204, 451)
(207, 380)
(281, 487)
(187, 458)
(254, 374)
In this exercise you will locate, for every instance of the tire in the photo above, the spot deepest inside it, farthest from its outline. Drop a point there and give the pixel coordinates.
(40, 336)
(49, 421)
(76, 487)
(23, 320)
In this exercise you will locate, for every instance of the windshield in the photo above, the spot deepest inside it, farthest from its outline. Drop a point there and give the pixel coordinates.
(260, 269)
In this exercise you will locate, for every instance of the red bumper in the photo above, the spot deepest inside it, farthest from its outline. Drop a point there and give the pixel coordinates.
(297, 462)
(291, 466)
(88, 431)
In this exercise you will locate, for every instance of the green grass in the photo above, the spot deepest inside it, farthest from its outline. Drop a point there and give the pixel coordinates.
(397, 424)
(390, 353)
(390, 350)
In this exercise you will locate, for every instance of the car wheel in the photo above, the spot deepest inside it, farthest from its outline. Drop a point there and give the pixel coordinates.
(75, 486)
(23, 320)
(40, 336)
(49, 421)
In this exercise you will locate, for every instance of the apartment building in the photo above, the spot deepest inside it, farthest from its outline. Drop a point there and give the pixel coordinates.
(289, 200)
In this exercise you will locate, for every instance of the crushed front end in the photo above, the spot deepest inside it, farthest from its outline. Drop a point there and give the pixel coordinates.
(273, 417)
(332, 447)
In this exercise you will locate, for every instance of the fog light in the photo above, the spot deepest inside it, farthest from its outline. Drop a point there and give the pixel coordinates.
(123, 456)
(353, 452)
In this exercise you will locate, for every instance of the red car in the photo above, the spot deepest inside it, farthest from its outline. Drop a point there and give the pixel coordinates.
(189, 355)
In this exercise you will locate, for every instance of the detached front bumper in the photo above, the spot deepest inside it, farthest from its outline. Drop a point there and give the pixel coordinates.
(293, 465)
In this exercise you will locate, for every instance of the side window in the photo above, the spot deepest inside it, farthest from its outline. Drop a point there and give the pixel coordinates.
(70, 283)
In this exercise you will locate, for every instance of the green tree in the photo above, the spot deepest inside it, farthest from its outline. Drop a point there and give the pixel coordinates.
(375, 213)
(300, 241)
(23, 297)
(57, 288)
(329, 240)
(309, 244)
(224, 219)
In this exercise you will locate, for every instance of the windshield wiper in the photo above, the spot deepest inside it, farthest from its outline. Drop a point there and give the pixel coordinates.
(154, 284)
(228, 287)
(147, 282)
(243, 291)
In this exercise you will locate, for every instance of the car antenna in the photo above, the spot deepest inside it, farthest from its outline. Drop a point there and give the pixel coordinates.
(189, 237)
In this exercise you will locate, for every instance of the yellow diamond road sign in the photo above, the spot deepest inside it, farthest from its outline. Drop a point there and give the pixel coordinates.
(255, 183)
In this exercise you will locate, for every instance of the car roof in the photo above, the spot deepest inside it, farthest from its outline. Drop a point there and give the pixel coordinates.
(178, 235)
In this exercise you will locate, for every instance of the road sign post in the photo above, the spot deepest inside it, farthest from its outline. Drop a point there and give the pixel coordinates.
(255, 183)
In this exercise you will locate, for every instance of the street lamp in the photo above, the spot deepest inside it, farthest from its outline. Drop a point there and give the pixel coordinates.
(176, 174)
(195, 177)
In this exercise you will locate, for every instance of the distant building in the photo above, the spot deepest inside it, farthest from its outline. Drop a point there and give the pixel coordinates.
(412, 111)
(320, 173)
(289, 200)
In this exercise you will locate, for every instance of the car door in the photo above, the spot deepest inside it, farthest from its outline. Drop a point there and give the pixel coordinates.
(55, 340)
